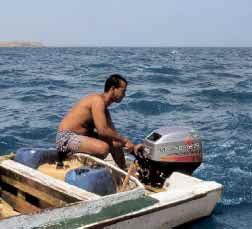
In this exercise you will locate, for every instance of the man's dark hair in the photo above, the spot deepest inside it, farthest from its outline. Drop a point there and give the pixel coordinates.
(114, 80)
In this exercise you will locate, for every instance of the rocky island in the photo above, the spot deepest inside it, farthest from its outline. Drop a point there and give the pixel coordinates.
(24, 44)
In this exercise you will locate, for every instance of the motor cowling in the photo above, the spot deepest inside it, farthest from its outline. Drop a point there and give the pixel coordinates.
(169, 149)
(174, 144)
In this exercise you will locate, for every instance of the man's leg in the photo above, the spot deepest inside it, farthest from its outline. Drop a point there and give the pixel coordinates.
(115, 148)
(118, 154)
(93, 146)
(101, 148)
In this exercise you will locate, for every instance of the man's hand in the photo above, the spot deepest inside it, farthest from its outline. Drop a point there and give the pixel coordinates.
(138, 149)
(130, 146)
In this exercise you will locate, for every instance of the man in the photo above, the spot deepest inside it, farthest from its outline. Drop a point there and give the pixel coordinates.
(88, 128)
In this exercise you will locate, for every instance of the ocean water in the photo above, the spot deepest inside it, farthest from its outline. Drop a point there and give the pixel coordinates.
(207, 88)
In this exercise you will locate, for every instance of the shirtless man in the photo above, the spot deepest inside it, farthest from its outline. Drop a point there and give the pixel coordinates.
(88, 128)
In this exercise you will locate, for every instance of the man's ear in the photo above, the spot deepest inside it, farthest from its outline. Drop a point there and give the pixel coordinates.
(112, 88)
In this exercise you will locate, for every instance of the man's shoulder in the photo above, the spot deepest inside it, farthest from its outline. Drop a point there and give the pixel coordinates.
(93, 98)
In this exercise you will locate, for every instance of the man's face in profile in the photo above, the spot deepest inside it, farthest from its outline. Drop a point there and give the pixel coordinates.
(120, 92)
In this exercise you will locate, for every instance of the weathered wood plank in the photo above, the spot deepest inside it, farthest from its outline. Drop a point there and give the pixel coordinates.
(33, 191)
(7, 157)
(21, 194)
(28, 179)
(19, 204)
(6, 210)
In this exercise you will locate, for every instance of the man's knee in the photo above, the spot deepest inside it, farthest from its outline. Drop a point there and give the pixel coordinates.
(117, 145)
(104, 150)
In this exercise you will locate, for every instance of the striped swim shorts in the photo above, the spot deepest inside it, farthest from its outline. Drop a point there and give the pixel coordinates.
(68, 142)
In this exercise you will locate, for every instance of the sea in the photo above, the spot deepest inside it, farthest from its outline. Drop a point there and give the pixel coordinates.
(209, 89)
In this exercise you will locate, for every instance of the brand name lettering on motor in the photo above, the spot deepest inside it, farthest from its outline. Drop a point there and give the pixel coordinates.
(180, 148)
(188, 148)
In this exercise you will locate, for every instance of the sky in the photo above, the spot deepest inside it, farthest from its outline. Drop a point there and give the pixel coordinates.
(128, 22)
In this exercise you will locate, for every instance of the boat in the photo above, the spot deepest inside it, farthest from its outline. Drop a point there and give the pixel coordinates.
(41, 196)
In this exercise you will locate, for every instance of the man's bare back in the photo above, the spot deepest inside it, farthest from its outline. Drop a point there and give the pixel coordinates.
(88, 127)
(79, 119)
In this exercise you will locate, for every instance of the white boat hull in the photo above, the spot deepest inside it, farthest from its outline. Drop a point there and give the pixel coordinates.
(175, 207)
(183, 199)
(162, 216)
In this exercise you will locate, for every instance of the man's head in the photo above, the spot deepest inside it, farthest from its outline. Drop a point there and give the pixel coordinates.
(117, 85)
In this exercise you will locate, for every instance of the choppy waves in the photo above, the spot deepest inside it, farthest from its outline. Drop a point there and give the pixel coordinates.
(227, 96)
(210, 89)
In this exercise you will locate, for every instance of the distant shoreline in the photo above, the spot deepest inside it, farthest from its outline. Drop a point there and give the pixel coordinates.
(23, 44)
(31, 44)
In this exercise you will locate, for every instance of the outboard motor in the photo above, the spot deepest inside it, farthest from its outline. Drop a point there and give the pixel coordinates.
(169, 149)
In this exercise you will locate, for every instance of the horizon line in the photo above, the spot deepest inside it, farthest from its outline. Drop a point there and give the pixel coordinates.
(126, 46)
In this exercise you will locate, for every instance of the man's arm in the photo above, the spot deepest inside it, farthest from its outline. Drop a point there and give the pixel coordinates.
(128, 143)
(136, 150)
(103, 127)
(110, 123)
